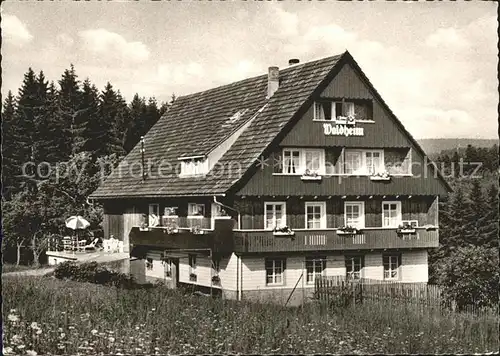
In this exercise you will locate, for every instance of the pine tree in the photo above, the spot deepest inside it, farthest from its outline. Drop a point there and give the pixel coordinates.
(69, 102)
(453, 216)
(123, 121)
(137, 111)
(88, 114)
(476, 209)
(24, 131)
(488, 222)
(9, 144)
(103, 136)
(152, 113)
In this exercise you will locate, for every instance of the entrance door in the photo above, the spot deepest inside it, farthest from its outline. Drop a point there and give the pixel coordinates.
(131, 218)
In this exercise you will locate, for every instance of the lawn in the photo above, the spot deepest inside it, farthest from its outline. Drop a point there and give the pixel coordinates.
(7, 267)
(46, 315)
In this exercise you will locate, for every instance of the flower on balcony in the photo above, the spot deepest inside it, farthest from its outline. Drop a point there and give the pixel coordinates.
(283, 231)
(310, 175)
(216, 279)
(197, 230)
(405, 229)
(380, 176)
(347, 230)
(172, 229)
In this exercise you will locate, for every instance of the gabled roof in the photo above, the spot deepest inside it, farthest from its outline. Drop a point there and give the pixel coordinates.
(198, 123)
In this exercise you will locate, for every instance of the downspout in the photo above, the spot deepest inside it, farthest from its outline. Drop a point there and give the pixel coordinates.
(230, 208)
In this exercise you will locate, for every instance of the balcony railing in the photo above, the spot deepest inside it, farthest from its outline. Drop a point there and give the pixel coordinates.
(323, 240)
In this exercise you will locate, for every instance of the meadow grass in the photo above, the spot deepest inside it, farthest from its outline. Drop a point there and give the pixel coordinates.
(49, 316)
(8, 267)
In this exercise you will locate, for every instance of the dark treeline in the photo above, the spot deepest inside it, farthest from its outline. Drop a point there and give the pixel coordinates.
(48, 122)
(466, 262)
(58, 143)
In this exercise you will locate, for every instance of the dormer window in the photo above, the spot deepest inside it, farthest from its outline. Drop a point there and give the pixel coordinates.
(193, 166)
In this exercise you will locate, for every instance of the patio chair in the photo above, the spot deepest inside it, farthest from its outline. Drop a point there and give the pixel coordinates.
(90, 246)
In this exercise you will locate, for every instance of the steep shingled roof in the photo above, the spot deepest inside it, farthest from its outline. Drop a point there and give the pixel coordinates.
(197, 123)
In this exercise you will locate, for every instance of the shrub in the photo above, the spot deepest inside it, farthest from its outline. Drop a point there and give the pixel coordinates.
(92, 272)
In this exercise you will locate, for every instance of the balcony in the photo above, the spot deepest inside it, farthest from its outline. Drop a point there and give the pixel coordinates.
(185, 238)
(328, 240)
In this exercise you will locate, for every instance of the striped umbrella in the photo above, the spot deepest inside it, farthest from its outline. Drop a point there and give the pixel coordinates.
(77, 223)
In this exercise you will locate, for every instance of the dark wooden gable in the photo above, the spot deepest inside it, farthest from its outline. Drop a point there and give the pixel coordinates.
(348, 84)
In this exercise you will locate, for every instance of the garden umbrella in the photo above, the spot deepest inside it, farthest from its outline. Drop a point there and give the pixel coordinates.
(77, 223)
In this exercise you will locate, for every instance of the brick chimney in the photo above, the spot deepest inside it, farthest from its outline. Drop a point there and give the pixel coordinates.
(273, 81)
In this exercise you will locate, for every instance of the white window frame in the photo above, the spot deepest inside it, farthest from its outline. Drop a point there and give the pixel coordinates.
(193, 167)
(152, 219)
(350, 110)
(322, 206)
(314, 261)
(302, 160)
(274, 203)
(190, 211)
(175, 208)
(348, 104)
(361, 204)
(274, 274)
(349, 260)
(398, 213)
(390, 264)
(363, 170)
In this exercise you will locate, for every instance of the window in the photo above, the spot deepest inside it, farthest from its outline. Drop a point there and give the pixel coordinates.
(194, 167)
(192, 263)
(291, 161)
(363, 161)
(323, 111)
(315, 215)
(391, 266)
(391, 213)
(149, 264)
(353, 162)
(275, 215)
(330, 110)
(354, 214)
(297, 161)
(315, 266)
(354, 266)
(196, 210)
(275, 269)
(343, 109)
(168, 268)
(374, 162)
(170, 211)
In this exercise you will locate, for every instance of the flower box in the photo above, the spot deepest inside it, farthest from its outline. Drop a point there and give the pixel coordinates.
(348, 230)
(197, 230)
(311, 177)
(380, 178)
(193, 277)
(406, 229)
(283, 231)
(171, 230)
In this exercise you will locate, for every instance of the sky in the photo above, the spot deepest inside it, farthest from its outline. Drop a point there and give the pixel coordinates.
(434, 63)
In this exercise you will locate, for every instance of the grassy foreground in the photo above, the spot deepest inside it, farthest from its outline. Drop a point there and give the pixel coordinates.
(45, 315)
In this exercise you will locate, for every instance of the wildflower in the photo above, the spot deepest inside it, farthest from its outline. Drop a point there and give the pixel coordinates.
(21, 347)
(13, 318)
(31, 353)
(39, 331)
(93, 331)
(71, 327)
(62, 336)
(13, 311)
(7, 350)
(111, 339)
(34, 325)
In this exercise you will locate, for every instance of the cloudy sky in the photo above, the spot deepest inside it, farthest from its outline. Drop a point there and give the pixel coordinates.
(433, 63)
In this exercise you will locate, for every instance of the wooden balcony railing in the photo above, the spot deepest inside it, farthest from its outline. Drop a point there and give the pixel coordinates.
(323, 240)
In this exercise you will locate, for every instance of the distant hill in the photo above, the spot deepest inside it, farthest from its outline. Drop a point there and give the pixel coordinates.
(433, 146)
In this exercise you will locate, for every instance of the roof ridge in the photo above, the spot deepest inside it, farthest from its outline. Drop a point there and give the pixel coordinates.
(239, 82)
